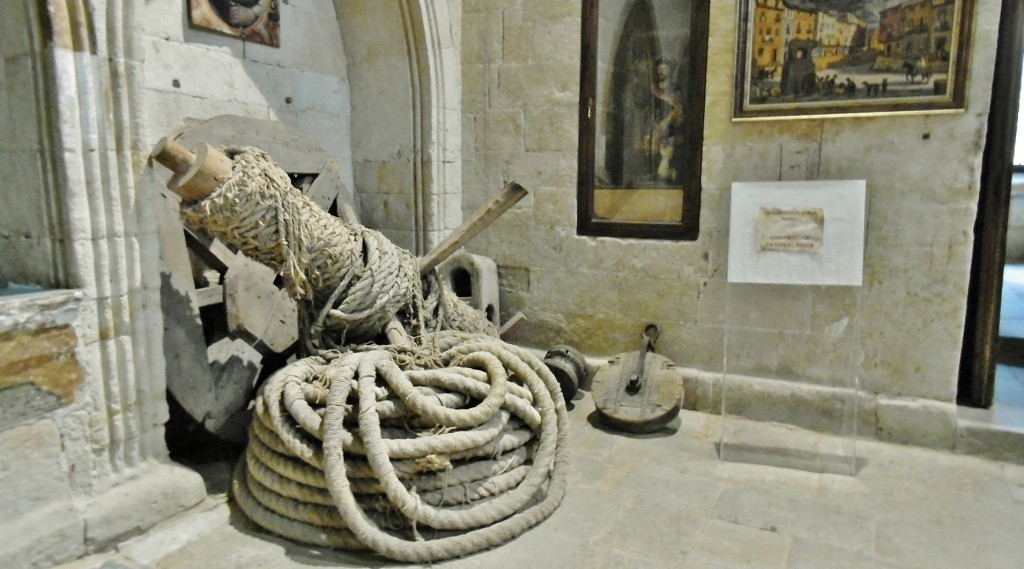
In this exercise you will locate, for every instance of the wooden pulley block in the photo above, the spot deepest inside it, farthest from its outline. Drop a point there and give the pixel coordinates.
(638, 392)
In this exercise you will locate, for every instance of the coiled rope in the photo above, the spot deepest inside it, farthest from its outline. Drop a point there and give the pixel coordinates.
(419, 453)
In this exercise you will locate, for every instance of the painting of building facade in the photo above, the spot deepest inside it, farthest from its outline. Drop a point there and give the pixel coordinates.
(804, 58)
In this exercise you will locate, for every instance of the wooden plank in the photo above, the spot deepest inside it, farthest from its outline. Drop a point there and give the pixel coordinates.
(328, 187)
(290, 148)
(513, 323)
(257, 309)
(210, 251)
(210, 295)
(479, 221)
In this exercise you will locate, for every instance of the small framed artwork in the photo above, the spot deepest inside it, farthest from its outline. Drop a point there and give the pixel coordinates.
(641, 118)
(254, 20)
(823, 58)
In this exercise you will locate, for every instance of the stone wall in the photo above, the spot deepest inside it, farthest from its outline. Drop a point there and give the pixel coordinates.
(521, 74)
(31, 231)
(193, 74)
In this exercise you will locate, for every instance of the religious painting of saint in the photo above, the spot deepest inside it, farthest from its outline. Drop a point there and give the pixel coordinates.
(820, 58)
(641, 125)
(252, 20)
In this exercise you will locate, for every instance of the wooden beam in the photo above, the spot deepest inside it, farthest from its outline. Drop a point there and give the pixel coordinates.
(512, 324)
(210, 295)
(480, 220)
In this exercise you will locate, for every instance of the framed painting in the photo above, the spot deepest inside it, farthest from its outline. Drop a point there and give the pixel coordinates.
(641, 118)
(822, 58)
(253, 20)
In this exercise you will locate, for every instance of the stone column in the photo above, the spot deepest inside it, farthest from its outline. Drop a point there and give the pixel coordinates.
(105, 438)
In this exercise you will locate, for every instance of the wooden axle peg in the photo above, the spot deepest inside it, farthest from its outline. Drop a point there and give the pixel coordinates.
(197, 172)
(172, 155)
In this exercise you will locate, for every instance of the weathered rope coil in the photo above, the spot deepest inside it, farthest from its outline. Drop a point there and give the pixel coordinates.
(419, 453)
(350, 451)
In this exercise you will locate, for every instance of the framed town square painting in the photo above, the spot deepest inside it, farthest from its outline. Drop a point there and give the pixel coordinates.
(642, 75)
(821, 58)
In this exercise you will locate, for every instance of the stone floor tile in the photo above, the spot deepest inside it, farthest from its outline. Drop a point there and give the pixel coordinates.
(773, 478)
(723, 544)
(536, 548)
(589, 473)
(697, 562)
(806, 554)
(291, 559)
(663, 486)
(225, 548)
(604, 558)
(1014, 475)
(689, 442)
(583, 513)
(938, 537)
(652, 528)
(631, 450)
(797, 516)
(101, 561)
(171, 535)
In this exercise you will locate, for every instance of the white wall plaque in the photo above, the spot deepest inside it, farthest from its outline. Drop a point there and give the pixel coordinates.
(797, 232)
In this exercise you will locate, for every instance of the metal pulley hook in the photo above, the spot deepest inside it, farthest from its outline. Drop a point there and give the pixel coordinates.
(649, 335)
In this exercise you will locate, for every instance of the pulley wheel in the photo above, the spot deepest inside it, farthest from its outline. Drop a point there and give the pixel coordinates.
(647, 409)
(569, 368)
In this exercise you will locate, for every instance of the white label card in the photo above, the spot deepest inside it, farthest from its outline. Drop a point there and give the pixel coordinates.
(800, 230)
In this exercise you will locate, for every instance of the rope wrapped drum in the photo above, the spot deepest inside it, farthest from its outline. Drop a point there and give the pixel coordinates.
(458, 448)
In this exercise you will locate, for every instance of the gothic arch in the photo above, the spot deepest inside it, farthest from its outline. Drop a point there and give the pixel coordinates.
(404, 66)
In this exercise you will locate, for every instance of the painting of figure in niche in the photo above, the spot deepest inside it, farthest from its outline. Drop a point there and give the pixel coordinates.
(253, 20)
(642, 90)
(819, 58)
(643, 119)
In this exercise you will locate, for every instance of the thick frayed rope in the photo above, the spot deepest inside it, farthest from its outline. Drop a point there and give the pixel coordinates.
(469, 455)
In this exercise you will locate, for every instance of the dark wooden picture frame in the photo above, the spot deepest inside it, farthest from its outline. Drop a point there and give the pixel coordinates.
(641, 118)
(826, 58)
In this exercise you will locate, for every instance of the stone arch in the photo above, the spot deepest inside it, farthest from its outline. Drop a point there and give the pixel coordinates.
(404, 66)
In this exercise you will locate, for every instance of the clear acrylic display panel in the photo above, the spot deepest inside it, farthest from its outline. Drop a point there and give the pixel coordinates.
(792, 354)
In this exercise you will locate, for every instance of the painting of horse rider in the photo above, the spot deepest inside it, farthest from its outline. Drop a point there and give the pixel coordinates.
(819, 58)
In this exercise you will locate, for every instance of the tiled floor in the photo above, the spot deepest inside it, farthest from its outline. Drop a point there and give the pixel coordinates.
(666, 500)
